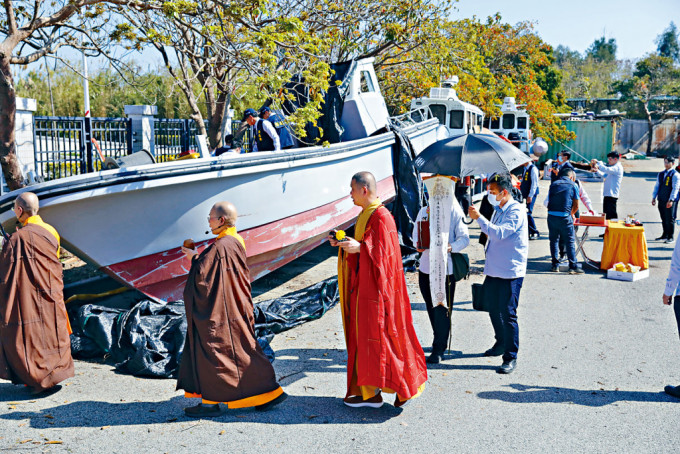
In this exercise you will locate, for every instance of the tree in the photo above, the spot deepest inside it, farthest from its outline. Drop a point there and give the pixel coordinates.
(667, 43)
(603, 50)
(654, 76)
(32, 30)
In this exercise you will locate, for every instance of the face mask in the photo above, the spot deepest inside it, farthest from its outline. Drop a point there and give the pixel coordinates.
(493, 200)
(560, 159)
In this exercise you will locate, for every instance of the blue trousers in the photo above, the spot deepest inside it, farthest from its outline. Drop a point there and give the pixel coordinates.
(504, 297)
(530, 217)
(561, 229)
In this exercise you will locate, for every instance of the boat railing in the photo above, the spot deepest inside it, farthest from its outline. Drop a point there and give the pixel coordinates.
(412, 117)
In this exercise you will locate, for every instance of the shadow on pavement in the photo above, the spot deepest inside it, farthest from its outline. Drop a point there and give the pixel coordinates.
(524, 394)
(295, 410)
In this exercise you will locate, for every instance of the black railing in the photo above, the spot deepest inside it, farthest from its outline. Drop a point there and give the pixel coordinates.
(66, 146)
(173, 137)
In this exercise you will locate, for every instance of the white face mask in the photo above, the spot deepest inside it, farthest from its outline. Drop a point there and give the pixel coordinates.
(493, 200)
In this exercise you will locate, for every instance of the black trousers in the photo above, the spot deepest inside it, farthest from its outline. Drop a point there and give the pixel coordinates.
(440, 317)
(609, 207)
(676, 308)
(504, 299)
(562, 236)
(668, 216)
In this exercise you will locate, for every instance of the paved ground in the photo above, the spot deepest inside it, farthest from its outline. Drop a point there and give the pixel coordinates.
(595, 355)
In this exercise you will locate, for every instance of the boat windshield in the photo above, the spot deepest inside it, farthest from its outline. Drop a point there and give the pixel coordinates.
(439, 112)
(495, 123)
(509, 121)
(522, 123)
(456, 119)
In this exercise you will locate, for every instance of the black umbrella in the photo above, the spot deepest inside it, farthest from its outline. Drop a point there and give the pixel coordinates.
(470, 154)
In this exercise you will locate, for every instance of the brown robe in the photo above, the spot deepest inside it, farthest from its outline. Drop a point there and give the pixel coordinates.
(222, 360)
(35, 347)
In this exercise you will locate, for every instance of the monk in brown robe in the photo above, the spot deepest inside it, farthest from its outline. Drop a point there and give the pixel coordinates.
(383, 352)
(222, 360)
(35, 347)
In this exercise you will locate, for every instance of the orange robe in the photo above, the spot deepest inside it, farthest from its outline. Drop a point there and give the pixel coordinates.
(383, 352)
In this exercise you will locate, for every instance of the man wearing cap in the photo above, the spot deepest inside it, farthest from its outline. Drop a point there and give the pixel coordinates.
(281, 126)
(264, 134)
(666, 190)
(613, 175)
(529, 189)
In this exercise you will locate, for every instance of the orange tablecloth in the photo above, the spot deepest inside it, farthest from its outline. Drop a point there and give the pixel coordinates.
(624, 244)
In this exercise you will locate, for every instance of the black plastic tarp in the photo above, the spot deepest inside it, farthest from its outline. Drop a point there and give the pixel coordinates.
(409, 198)
(148, 338)
(331, 109)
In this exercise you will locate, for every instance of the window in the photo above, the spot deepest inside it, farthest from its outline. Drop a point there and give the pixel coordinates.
(509, 121)
(456, 119)
(486, 123)
(439, 112)
(479, 120)
(495, 123)
(521, 122)
(366, 82)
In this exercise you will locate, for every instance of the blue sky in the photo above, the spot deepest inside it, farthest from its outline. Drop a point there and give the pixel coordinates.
(577, 23)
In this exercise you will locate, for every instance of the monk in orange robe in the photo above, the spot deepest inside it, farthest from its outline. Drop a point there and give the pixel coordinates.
(35, 347)
(222, 361)
(383, 352)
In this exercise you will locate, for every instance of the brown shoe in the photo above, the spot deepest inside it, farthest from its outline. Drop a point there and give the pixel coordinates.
(204, 411)
(357, 401)
(401, 403)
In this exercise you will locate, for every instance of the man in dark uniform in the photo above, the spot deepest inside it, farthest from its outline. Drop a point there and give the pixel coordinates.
(666, 190)
(282, 127)
(529, 189)
(265, 137)
(562, 205)
(562, 162)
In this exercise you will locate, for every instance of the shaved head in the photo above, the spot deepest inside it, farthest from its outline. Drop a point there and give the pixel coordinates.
(367, 180)
(225, 210)
(28, 202)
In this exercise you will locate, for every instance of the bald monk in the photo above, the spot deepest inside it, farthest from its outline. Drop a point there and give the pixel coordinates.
(383, 352)
(35, 347)
(222, 361)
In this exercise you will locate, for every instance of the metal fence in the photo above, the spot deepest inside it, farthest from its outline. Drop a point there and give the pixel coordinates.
(66, 146)
(173, 137)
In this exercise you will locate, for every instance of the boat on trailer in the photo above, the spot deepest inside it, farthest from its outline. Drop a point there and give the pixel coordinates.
(131, 222)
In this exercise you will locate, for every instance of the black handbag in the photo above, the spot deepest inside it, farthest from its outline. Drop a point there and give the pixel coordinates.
(461, 266)
(479, 301)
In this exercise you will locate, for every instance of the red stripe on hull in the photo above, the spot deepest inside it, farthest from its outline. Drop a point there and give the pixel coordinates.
(269, 247)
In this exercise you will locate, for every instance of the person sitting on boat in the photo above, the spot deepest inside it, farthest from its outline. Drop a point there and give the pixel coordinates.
(35, 347)
(226, 146)
(265, 137)
(281, 125)
(222, 360)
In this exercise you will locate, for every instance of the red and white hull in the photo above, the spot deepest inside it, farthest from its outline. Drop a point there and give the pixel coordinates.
(131, 222)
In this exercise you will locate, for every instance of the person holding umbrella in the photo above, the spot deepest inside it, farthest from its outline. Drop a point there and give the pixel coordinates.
(505, 266)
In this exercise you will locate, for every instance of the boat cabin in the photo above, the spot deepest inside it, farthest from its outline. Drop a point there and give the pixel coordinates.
(513, 124)
(457, 116)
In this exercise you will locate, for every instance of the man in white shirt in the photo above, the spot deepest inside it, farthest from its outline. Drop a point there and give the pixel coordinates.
(672, 289)
(666, 190)
(613, 175)
(440, 316)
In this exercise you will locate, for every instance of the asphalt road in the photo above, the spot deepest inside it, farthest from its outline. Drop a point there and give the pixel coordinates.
(594, 357)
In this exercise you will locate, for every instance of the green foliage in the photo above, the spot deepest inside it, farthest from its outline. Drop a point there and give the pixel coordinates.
(109, 92)
(667, 43)
(603, 50)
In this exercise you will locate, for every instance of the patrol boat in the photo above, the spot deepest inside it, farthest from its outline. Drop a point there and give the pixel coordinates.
(457, 116)
(130, 222)
(513, 124)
